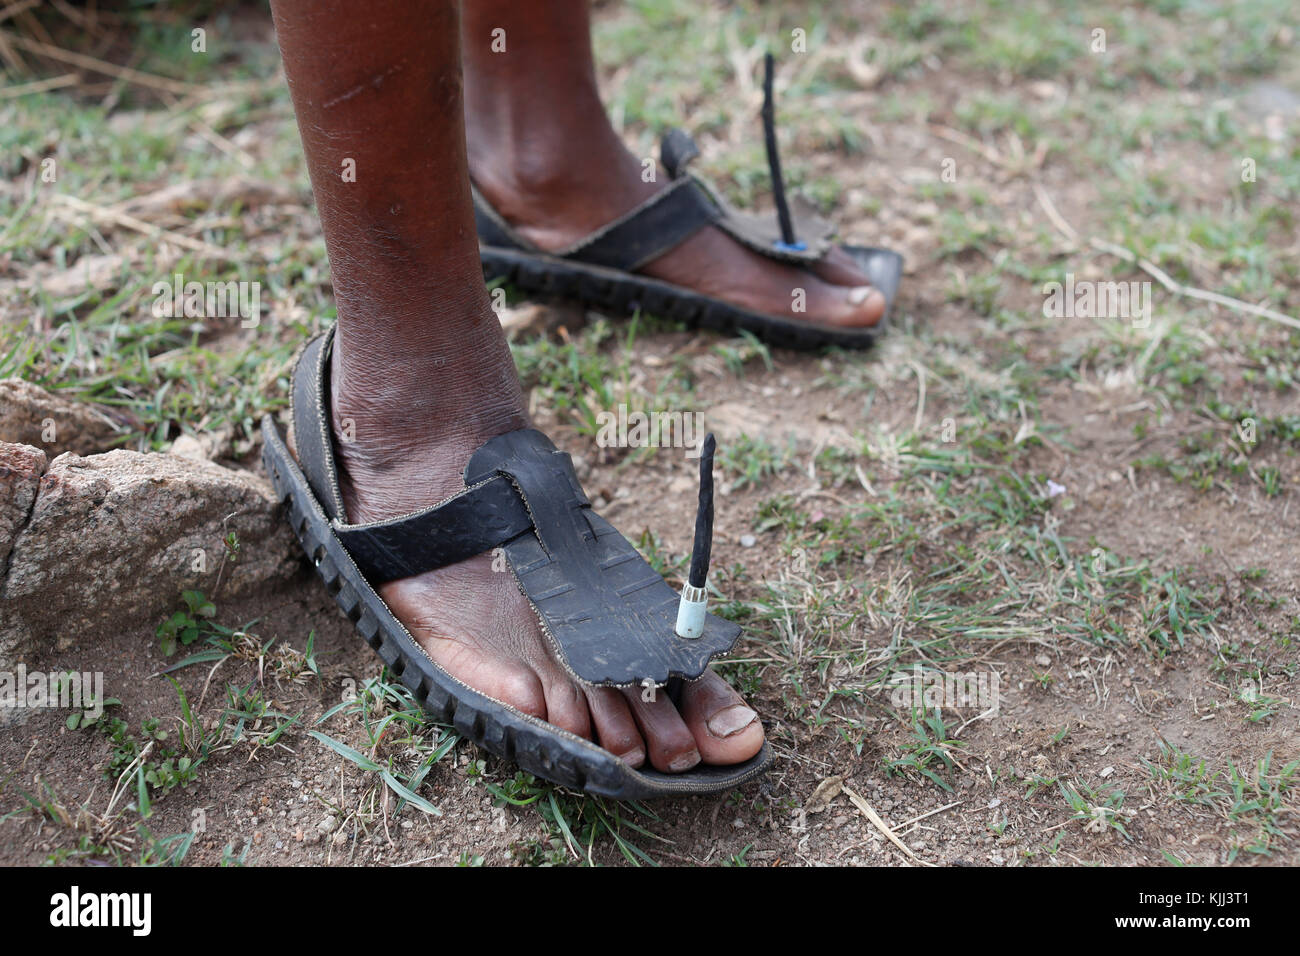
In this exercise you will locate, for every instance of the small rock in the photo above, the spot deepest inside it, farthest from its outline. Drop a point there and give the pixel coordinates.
(32, 416)
(187, 446)
(748, 541)
(327, 825)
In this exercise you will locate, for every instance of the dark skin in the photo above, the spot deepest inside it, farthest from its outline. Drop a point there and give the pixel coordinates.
(422, 374)
(543, 152)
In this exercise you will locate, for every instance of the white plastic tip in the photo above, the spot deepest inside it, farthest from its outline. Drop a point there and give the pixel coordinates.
(690, 612)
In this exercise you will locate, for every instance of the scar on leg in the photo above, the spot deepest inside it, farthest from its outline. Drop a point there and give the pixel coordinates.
(376, 82)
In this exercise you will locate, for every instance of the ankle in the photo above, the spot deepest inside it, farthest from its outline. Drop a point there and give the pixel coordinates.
(397, 408)
(393, 459)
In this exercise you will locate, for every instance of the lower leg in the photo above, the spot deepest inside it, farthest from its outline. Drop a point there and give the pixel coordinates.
(543, 152)
(418, 352)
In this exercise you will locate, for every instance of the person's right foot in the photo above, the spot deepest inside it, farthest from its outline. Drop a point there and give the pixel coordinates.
(474, 622)
(556, 205)
(543, 153)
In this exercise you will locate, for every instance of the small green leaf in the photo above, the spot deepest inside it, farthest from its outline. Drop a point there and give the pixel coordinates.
(362, 761)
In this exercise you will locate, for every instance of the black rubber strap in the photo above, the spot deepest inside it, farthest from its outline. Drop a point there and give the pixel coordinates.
(663, 222)
(480, 518)
(473, 522)
(676, 150)
(608, 613)
(311, 423)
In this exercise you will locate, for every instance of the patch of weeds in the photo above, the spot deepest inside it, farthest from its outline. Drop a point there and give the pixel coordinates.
(575, 823)
(739, 858)
(186, 626)
(753, 461)
(1098, 812)
(401, 745)
(929, 750)
(1252, 807)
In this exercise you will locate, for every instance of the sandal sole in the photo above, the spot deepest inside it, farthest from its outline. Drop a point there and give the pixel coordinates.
(563, 280)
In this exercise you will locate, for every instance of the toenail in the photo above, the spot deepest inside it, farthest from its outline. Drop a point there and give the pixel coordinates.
(731, 721)
(860, 294)
(633, 758)
(684, 762)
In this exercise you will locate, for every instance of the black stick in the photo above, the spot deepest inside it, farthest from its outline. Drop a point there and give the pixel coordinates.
(773, 157)
(703, 547)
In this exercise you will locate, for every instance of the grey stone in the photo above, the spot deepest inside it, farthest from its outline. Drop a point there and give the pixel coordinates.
(111, 540)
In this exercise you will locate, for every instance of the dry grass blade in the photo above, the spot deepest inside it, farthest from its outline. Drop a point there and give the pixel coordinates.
(130, 222)
(883, 827)
(97, 65)
(40, 86)
(1150, 268)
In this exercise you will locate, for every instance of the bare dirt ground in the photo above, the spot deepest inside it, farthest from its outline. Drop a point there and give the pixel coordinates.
(1140, 612)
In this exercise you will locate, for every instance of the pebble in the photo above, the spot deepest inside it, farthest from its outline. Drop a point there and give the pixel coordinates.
(748, 541)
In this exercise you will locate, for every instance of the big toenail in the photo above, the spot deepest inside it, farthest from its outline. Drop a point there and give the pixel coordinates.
(859, 294)
(684, 761)
(731, 721)
(633, 758)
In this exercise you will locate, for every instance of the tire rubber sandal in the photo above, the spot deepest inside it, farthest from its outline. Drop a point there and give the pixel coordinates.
(609, 618)
(600, 271)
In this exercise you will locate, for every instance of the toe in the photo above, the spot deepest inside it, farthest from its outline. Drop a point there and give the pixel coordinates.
(850, 306)
(725, 728)
(514, 685)
(615, 729)
(566, 706)
(848, 296)
(669, 744)
(839, 268)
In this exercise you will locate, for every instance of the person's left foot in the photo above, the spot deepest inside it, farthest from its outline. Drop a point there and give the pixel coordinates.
(401, 451)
